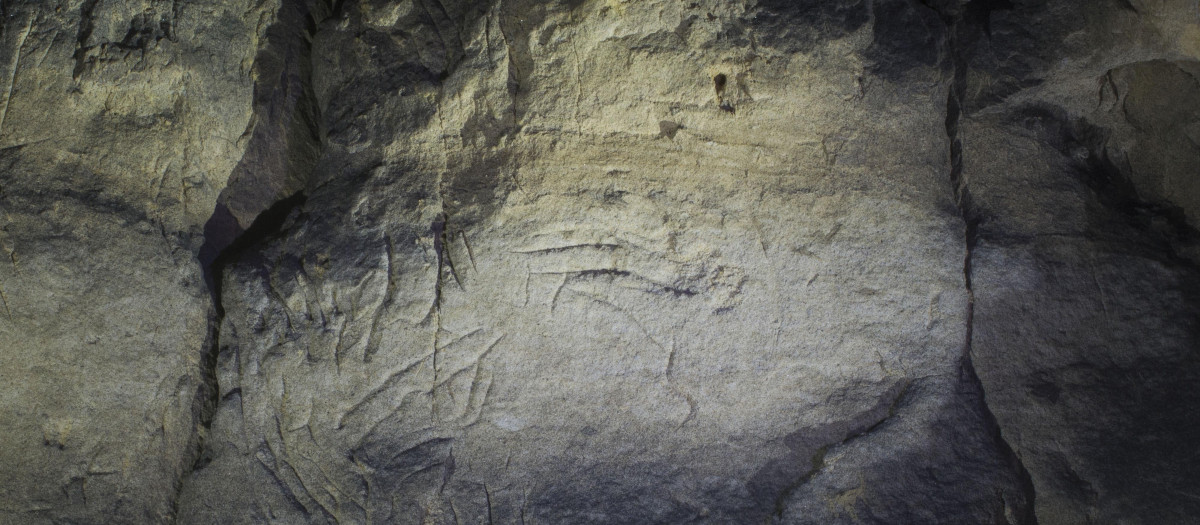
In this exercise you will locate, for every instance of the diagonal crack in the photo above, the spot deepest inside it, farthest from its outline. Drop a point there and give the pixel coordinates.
(868, 423)
(87, 24)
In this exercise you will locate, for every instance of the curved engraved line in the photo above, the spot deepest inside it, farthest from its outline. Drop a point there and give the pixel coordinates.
(389, 383)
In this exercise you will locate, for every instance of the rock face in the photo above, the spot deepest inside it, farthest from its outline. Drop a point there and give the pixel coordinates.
(119, 124)
(1081, 163)
(600, 261)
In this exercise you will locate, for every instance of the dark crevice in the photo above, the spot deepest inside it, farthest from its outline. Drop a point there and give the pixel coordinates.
(818, 464)
(959, 23)
(978, 13)
(445, 265)
(86, 26)
(275, 191)
(268, 226)
(1028, 515)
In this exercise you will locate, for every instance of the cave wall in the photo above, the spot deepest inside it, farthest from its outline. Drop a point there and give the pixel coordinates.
(597, 261)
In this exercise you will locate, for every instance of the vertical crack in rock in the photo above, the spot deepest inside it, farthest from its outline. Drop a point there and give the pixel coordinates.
(86, 26)
(269, 225)
(270, 181)
(956, 22)
(441, 249)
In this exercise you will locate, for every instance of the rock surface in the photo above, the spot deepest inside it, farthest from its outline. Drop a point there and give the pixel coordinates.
(1081, 162)
(119, 125)
(600, 261)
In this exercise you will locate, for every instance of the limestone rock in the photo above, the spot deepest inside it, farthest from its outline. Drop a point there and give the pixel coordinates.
(611, 262)
(599, 261)
(119, 123)
(1082, 183)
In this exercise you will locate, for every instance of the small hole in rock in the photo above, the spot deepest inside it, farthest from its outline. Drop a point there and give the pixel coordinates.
(719, 83)
(668, 129)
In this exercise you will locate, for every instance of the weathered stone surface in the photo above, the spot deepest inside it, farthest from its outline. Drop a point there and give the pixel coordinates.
(599, 261)
(611, 262)
(119, 123)
(1082, 181)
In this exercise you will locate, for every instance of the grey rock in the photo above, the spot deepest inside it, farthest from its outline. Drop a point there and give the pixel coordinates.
(119, 123)
(1080, 180)
(599, 261)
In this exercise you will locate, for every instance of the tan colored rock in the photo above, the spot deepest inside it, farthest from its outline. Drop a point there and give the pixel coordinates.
(609, 262)
(599, 261)
(119, 124)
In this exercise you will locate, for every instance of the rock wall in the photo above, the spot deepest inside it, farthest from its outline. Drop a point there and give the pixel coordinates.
(120, 122)
(599, 261)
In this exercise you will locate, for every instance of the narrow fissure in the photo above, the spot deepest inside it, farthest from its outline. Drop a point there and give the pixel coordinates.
(86, 26)
(226, 241)
(440, 247)
(267, 226)
(957, 22)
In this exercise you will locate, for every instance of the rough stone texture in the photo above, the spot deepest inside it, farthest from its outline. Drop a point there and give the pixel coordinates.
(1081, 159)
(529, 282)
(119, 123)
(600, 261)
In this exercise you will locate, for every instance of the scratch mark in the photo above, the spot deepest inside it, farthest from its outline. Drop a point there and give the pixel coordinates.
(693, 408)
(489, 349)
(4, 299)
(460, 338)
(1103, 297)
(272, 469)
(578, 80)
(670, 360)
(474, 398)
(470, 253)
(447, 472)
(762, 243)
(831, 153)
(362, 436)
(554, 300)
(337, 347)
(391, 272)
(527, 272)
(433, 384)
(933, 300)
(478, 377)
(524, 504)
(513, 73)
(626, 314)
(778, 298)
(828, 237)
(556, 249)
(488, 494)
(374, 335)
(392, 380)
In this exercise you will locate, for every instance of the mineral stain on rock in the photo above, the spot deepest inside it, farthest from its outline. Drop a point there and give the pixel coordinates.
(407, 261)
